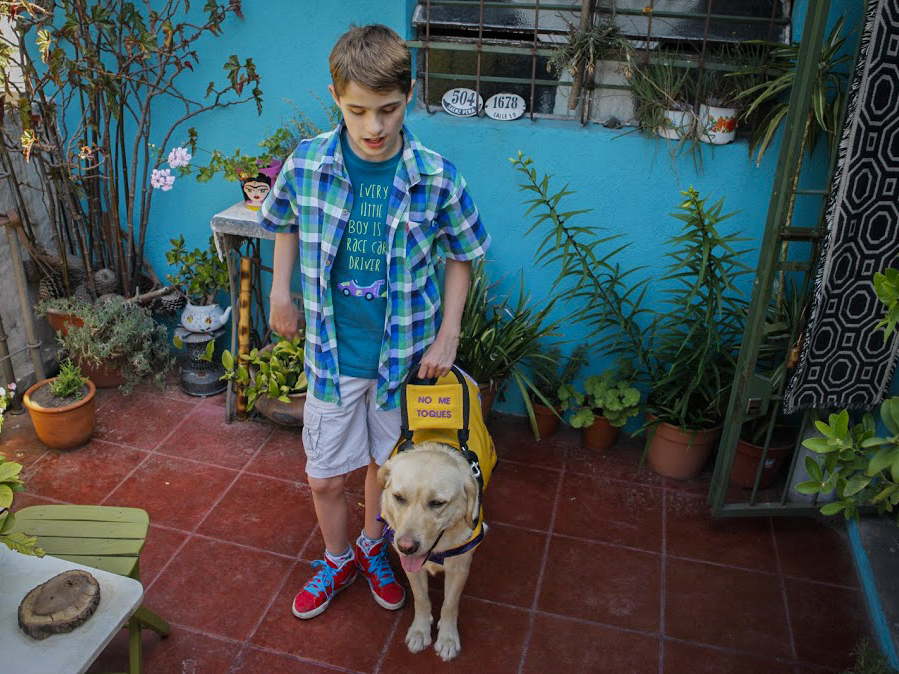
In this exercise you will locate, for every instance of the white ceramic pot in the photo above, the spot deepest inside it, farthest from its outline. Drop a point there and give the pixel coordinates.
(677, 124)
(208, 318)
(718, 126)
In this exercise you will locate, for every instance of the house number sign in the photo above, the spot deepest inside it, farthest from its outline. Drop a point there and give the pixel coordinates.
(461, 102)
(504, 106)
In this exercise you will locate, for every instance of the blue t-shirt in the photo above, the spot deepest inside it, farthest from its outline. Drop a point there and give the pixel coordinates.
(359, 273)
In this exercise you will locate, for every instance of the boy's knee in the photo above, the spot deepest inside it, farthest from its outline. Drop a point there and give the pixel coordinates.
(327, 486)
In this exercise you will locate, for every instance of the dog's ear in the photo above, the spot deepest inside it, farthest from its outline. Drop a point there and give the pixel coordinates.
(384, 474)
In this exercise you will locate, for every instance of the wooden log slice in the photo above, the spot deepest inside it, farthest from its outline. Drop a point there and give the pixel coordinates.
(60, 605)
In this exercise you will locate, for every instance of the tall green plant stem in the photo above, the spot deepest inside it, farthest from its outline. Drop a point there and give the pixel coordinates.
(608, 304)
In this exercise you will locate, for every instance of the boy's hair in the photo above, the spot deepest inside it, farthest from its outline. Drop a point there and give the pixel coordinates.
(374, 57)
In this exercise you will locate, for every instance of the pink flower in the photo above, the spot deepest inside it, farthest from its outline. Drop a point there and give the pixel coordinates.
(179, 157)
(162, 179)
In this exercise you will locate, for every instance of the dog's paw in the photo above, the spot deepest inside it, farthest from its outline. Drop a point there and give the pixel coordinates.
(418, 638)
(448, 644)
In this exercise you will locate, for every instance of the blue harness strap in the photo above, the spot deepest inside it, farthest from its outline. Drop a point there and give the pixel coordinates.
(438, 557)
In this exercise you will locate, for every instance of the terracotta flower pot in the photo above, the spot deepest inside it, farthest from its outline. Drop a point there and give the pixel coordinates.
(746, 463)
(285, 414)
(61, 322)
(600, 434)
(105, 375)
(673, 453)
(547, 419)
(488, 395)
(64, 427)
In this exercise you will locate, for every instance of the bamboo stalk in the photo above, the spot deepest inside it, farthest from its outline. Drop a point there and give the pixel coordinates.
(243, 326)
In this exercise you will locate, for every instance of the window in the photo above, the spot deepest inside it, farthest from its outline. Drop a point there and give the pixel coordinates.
(504, 46)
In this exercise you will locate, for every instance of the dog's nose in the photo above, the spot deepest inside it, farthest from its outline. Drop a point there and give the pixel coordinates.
(407, 545)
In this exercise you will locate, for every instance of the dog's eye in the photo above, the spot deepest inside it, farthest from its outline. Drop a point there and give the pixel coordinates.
(436, 504)
(399, 498)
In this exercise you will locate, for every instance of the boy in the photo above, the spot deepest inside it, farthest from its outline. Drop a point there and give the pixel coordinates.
(364, 207)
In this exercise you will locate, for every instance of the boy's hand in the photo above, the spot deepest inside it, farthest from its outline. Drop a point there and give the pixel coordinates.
(439, 358)
(284, 317)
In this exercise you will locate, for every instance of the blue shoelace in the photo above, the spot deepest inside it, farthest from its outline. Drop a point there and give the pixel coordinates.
(323, 580)
(379, 566)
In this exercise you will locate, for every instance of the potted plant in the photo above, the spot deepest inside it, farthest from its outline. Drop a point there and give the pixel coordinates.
(200, 276)
(663, 93)
(717, 120)
(62, 408)
(587, 45)
(548, 381)
(859, 467)
(778, 353)
(692, 347)
(608, 401)
(89, 136)
(114, 342)
(774, 74)
(499, 337)
(273, 379)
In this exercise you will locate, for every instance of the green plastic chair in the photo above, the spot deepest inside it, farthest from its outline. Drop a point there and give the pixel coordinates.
(102, 537)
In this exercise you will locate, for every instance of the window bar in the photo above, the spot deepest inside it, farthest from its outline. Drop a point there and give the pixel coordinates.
(534, 56)
(477, 81)
(702, 54)
(427, 41)
(648, 11)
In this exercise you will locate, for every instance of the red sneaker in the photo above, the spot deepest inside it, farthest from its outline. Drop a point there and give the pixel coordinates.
(316, 595)
(376, 570)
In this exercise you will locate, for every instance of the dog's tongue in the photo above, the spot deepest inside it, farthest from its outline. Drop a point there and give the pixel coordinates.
(413, 563)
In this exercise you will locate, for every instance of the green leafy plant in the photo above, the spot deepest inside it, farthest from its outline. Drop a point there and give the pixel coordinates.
(274, 149)
(693, 345)
(861, 468)
(10, 483)
(608, 299)
(276, 373)
(500, 336)
(548, 377)
(611, 394)
(6, 396)
(115, 334)
(587, 45)
(886, 285)
(69, 383)
(659, 86)
(869, 660)
(100, 79)
(200, 273)
(779, 73)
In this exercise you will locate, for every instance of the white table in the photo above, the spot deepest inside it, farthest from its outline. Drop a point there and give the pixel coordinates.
(60, 653)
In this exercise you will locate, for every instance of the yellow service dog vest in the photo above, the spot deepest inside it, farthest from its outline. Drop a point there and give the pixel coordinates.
(449, 412)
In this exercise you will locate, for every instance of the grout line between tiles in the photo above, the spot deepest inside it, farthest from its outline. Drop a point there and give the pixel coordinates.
(203, 519)
(663, 580)
(231, 640)
(387, 642)
(783, 588)
(148, 456)
(538, 585)
(271, 602)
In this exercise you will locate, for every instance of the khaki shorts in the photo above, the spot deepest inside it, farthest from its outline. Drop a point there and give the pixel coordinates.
(340, 439)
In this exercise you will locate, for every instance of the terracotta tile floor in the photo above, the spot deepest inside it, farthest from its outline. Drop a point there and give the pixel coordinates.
(592, 565)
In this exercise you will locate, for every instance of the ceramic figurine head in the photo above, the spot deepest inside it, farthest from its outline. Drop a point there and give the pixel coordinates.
(255, 191)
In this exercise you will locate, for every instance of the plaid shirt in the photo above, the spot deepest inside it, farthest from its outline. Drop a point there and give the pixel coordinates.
(428, 204)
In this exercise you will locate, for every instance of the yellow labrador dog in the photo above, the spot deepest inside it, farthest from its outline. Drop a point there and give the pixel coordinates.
(430, 502)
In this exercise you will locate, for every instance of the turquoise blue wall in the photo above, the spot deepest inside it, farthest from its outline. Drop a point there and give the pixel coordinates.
(631, 181)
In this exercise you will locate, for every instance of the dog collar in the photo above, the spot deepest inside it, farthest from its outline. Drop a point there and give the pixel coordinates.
(438, 557)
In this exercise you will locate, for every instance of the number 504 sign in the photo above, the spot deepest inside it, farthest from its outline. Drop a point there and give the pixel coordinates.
(462, 102)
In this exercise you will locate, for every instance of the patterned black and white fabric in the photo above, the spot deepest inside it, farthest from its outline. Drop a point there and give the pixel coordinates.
(845, 361)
